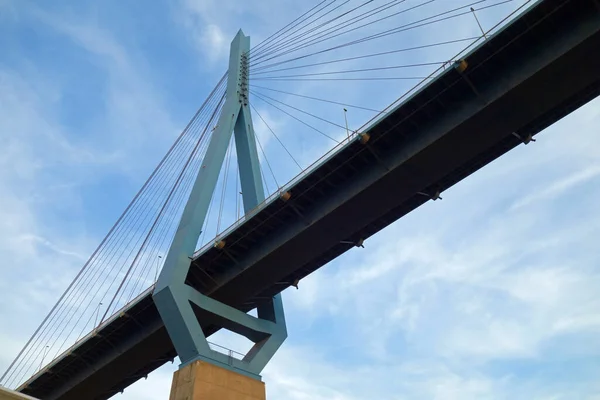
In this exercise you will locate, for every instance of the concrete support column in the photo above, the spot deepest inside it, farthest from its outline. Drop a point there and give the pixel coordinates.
(200, 380)
(7, 394)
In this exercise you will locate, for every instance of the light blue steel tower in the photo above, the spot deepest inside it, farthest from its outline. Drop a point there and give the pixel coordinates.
(172, 296)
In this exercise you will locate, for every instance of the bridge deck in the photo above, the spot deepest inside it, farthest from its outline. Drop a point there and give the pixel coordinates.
(536, 70)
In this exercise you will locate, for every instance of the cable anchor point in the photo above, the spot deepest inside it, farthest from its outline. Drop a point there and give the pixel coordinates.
(526, 140)
(359, 243)
(434, 197)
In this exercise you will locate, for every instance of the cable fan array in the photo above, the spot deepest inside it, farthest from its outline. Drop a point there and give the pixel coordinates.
(313, 84)
(342, 63)
(128, 259)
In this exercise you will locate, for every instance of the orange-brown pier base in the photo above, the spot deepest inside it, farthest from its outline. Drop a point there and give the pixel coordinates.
(203, 381)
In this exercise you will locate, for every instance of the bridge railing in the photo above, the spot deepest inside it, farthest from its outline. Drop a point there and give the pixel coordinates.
(231, 354)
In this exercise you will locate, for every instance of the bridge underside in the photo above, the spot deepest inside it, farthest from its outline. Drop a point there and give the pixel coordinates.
(535, 71)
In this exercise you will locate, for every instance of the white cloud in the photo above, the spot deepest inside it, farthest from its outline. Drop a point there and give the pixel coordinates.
(208, 36)
(213, 40)
(557, 188)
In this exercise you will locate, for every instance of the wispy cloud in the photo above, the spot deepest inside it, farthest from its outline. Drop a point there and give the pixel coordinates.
(49, 167)
(557, 188)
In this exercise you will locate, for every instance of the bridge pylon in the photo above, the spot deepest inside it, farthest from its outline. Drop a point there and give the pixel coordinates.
(174, 298)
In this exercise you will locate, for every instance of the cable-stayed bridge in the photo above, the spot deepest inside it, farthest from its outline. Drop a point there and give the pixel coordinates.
(129, 311)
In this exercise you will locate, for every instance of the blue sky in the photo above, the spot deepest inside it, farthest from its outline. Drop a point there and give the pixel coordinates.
(490, 293)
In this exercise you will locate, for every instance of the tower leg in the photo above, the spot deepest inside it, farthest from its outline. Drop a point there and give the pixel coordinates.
(205, 381)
